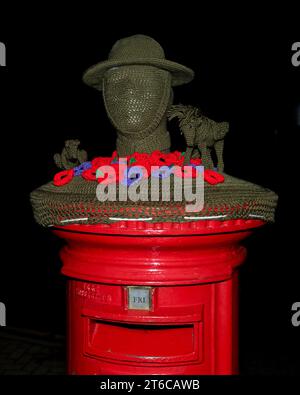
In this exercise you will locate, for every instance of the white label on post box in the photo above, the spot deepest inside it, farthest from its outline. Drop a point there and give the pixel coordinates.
(139, 298)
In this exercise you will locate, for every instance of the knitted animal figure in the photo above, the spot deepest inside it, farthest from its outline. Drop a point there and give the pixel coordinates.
(71, 155)
(202, 133)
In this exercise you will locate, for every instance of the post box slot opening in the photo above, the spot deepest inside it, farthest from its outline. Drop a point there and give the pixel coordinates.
(135, 341)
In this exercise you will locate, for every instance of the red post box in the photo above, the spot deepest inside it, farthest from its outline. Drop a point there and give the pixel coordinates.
(152, 289)
(153, 298)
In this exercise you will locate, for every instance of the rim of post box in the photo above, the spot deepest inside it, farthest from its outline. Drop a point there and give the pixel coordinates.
(143, 228)
(186, 269)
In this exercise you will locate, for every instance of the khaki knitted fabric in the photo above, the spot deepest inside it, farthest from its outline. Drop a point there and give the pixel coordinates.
(77, 200)
(137, 50)
(136, 100)
(136, 81)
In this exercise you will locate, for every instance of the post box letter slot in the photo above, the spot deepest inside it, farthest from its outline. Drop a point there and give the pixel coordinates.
(150, 343)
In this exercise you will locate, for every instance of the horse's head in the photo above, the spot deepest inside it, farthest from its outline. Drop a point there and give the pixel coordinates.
(188, 117)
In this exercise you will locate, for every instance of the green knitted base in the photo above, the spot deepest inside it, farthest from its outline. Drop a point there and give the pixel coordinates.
(76, 202)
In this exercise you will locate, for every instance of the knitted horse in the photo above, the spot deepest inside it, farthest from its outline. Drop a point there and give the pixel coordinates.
(202, 133)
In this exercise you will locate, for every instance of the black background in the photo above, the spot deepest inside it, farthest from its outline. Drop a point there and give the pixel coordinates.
(243, 74)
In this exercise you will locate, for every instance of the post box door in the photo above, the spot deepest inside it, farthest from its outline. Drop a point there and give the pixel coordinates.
(143, 343)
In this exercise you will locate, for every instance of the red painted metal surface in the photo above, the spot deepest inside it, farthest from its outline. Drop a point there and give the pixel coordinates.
(189, 274)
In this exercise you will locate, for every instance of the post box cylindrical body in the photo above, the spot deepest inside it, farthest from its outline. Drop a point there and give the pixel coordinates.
(153, 298)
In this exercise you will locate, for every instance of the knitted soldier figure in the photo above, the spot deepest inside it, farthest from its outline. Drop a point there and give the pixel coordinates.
(136, 82)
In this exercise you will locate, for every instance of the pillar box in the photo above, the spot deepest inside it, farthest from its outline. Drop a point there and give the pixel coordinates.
(152, 286)
(153, 299)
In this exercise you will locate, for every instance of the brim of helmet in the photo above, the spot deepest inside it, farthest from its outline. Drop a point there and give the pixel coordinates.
(180, 74)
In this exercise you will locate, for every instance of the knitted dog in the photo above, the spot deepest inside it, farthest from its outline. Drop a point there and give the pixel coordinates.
(71, 155)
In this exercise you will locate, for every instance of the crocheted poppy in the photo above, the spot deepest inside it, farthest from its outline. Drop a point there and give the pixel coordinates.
(90, 174)
(212, 177)
(63, 177)
(186, 172)
(101, 161)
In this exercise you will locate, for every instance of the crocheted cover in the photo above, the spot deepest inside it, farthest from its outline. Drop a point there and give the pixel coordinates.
(136, 82)
(76, 202)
